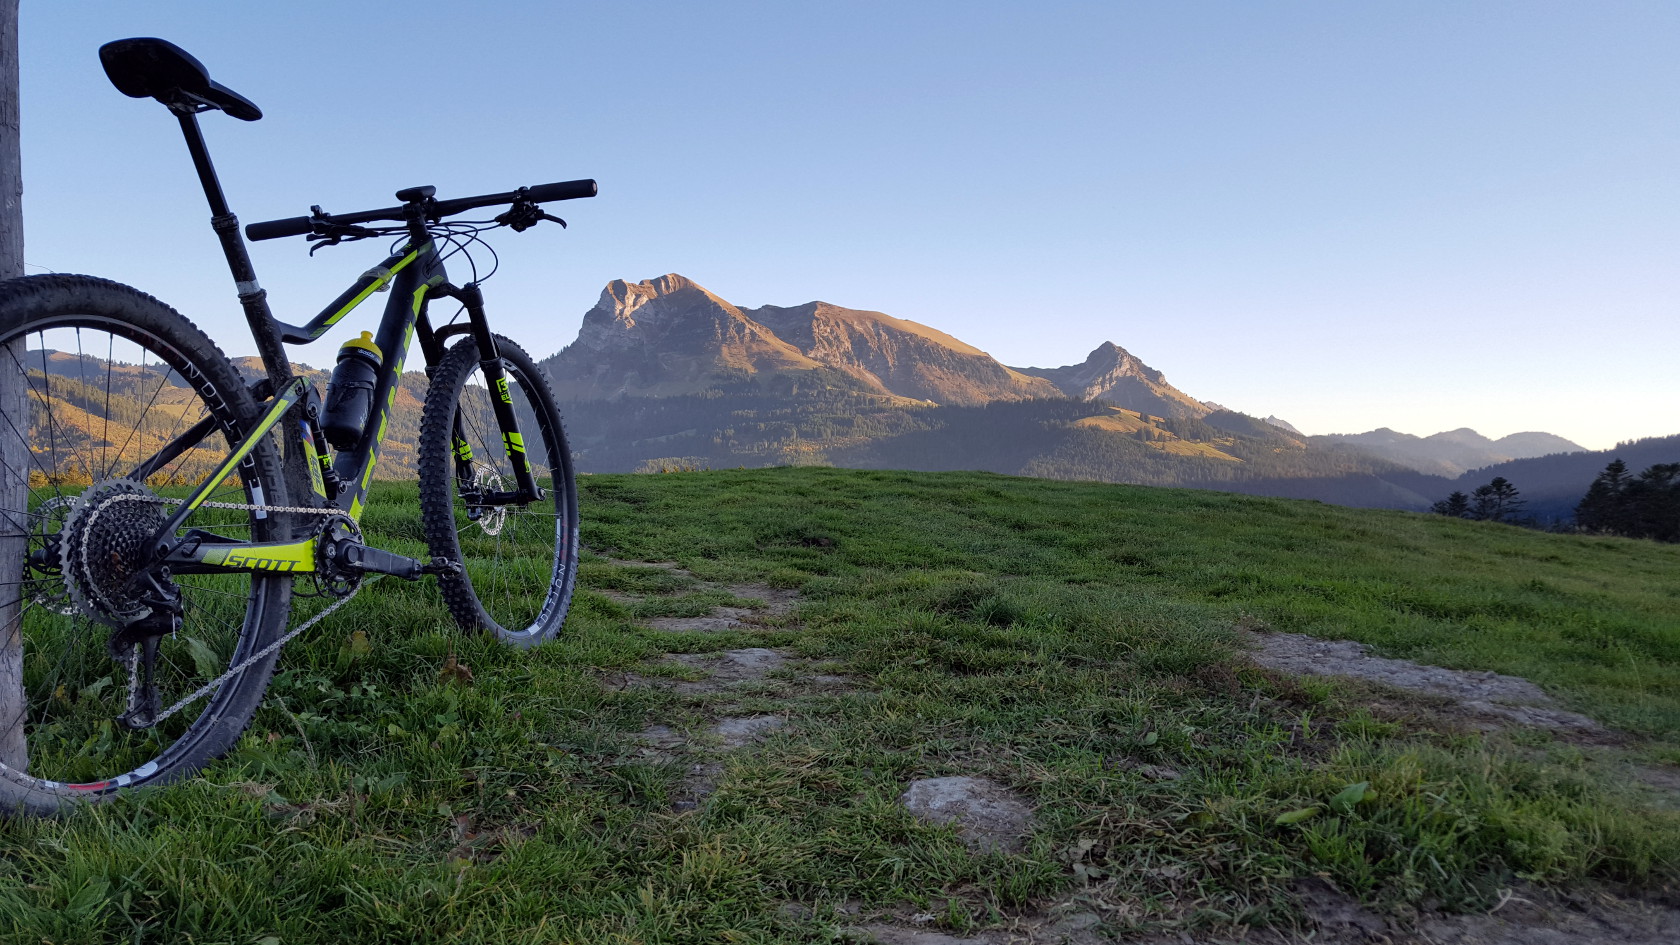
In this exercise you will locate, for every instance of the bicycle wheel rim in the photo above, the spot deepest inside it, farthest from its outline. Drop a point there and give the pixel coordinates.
(92, 415)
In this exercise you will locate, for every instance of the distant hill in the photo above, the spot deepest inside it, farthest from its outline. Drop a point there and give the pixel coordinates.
(1553, 485)
(1454, 451)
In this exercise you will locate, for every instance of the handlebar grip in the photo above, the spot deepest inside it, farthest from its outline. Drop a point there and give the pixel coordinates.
(274, 229)
(564, 190)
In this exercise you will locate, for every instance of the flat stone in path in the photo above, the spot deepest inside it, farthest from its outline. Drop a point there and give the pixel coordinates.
(777, 600)
(697, 785)
(660, 738)
(732, 666)
(737, 731)
(1487, 695)
(711, 624)
(988, 816)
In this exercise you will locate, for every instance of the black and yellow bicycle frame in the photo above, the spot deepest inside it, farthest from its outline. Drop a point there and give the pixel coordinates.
(413, 276)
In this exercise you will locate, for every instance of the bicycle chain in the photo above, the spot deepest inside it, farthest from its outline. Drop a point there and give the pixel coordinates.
(133, 660)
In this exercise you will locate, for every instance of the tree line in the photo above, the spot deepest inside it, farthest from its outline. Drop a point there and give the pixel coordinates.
(1642, 506)
(1498, 501)
(1617, 503)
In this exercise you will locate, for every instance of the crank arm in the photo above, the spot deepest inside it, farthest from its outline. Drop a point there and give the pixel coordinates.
(355, 556)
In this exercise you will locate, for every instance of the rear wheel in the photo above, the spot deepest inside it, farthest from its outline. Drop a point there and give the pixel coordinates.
(519, 561)
(102, 378)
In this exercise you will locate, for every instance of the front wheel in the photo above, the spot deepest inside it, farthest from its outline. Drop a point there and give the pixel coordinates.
(519, 560)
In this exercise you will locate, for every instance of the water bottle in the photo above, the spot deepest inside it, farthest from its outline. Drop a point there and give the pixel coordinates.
(350, 392)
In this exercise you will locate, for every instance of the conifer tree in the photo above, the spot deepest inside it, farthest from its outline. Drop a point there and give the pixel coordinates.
(1496, 502)
(1604, 508)
(1646, 506)
(1456, 505)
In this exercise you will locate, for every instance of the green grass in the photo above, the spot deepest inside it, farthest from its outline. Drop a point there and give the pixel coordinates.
(1055, 637)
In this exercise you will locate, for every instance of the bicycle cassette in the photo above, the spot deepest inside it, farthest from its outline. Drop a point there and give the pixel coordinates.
(102, 548)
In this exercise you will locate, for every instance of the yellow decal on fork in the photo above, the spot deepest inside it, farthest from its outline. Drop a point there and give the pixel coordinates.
(514, 442)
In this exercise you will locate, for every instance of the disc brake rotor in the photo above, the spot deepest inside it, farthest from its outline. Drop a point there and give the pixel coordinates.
(491, 518)
(51, 591)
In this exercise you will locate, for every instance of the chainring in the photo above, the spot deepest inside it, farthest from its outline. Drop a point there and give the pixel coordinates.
(335, 581)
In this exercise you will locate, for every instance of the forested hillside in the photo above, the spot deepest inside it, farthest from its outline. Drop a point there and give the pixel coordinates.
(1553, 485)
(1051, 439)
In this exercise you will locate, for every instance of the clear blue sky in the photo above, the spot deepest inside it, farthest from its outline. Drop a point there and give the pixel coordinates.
(1420, 215)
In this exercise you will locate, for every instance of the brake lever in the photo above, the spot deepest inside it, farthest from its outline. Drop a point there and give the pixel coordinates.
(331, 234)
(523, 215)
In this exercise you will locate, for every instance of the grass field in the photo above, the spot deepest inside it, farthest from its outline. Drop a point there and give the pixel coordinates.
(1071, 641)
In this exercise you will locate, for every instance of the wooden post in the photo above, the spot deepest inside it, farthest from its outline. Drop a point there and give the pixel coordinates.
(14, 453)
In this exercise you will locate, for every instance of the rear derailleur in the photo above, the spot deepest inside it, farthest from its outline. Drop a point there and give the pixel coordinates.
(135, 645)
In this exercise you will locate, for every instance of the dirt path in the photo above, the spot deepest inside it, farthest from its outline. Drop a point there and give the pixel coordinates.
(715, 682)
(990, 817)
(1487, 700)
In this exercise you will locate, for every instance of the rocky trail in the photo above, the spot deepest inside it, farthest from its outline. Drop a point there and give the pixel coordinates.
(724, 694)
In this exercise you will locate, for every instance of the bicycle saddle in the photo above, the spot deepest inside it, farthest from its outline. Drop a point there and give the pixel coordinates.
(145, 66)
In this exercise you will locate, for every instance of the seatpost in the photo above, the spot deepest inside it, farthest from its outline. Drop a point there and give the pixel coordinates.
(252, 297)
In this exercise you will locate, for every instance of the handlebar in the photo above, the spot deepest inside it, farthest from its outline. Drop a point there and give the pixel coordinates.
(435, 209)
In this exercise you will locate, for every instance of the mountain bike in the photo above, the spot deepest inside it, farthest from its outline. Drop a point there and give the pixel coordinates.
(168, 508)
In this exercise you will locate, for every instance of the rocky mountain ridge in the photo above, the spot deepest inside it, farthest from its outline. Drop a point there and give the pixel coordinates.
(671, 336)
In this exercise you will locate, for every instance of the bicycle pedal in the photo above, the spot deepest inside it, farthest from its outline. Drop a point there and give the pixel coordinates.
(442, 566)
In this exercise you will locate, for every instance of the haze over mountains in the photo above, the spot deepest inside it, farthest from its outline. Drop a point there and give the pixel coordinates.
(1456, 451)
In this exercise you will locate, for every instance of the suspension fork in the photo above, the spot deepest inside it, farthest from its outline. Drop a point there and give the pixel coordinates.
(501, 403)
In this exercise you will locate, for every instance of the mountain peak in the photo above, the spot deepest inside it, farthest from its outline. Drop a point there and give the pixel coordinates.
(620, 299)
(663, 336)
(1114, 374)
(1111, 356)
